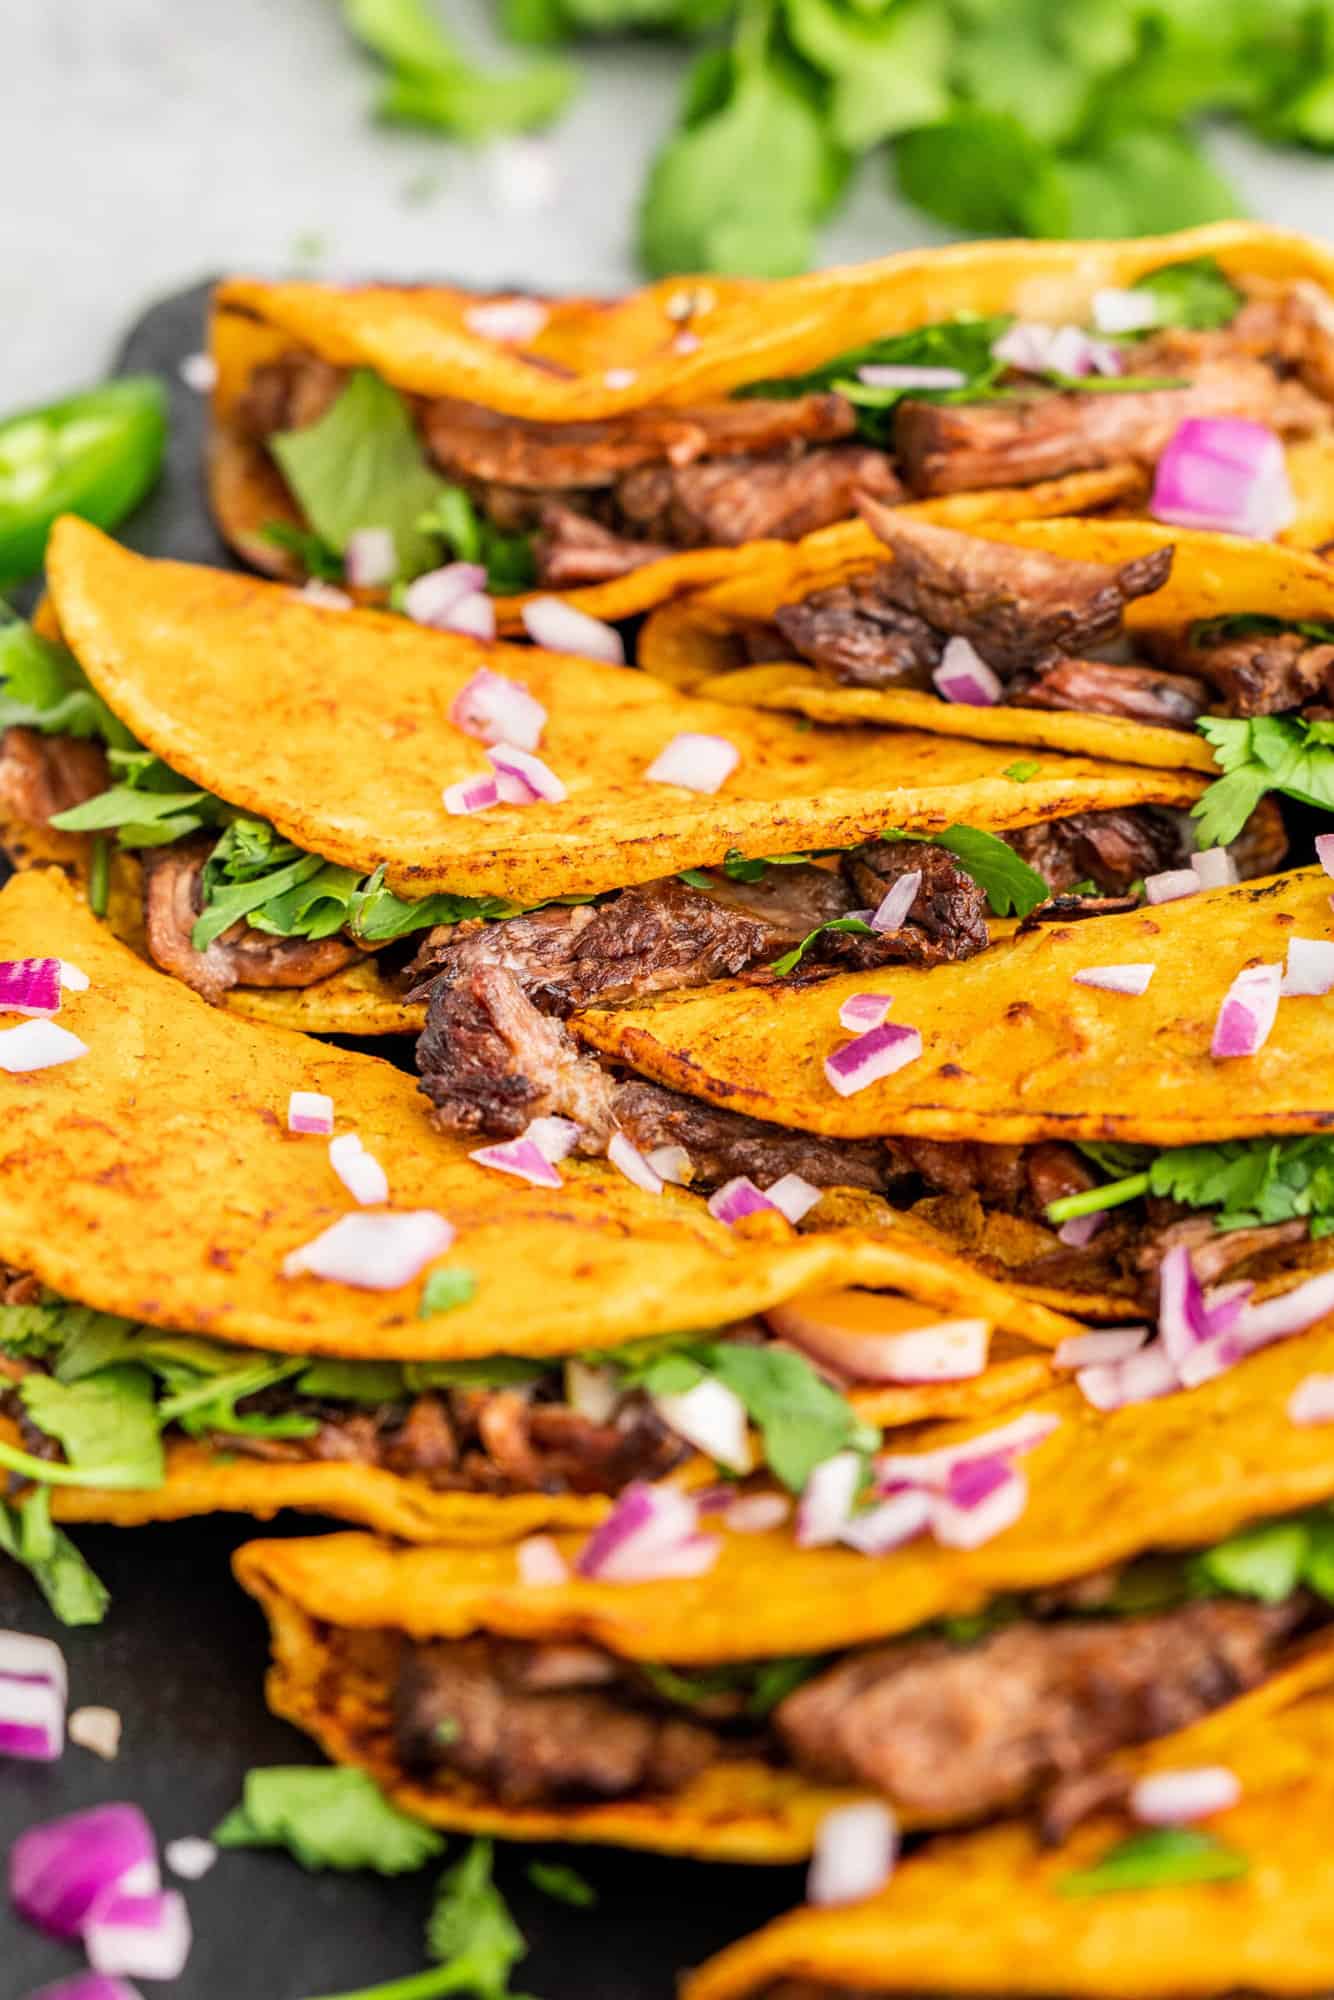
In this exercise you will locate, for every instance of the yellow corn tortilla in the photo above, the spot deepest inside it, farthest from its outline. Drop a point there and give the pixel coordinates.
(697, 643)
(1182, 1472)
(1013, 1049)
(984, 1913)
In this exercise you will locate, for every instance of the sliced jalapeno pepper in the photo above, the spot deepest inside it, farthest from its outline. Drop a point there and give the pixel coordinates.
(95, 454)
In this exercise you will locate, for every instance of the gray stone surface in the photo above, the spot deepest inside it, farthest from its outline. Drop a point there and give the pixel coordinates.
(145, 143)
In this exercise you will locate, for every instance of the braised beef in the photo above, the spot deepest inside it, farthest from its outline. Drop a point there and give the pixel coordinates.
(862, 639)
(1213, 1251)
(287, 394)
(572, 549)
(41, 776)
(730, 501)
(1259, 673)
(723, 1144)
(1099, 687)
(946, 920)
(1112, 849)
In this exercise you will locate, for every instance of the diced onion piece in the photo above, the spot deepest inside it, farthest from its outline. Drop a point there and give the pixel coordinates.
(1312, 1401)
(593, 1392)
(370, 558)
(651, 1532)
(756, 1513)
(327, 595)
(471, 795)
(1139, 1377)
(554, 1138)
(541, 1564)
(1081, 1229)
(906, 375)
(964, 676)
(897, 901)
(88, 1986)
(696, 762)
(1171, 885)
(1215, 868)
(35, 1045)
(1224, 473)
(30, 986)
(60, 1870)
(882, 1337)
(737, 1198)
(511, 321)
(1038, 349)
(890, 1523)
(1133, 979)
(793, 1197)
(431, 598)
(854, 1855)
(1175, 1798)
(936, 1468)
(1324, 851)
(826, 1503)
(496, 709)
(474, 616)
(1310, 968)
(1096, 1350)
(864, 1010)
(146, 1937)
(620, 378)
(1248, 1012)
(310, 1111)
(713, 1418)
(1288, 1313)
(671, 1163)
(379, 1250)
(628, 1160)
(72, 979)
(990, 1500)
(524, 779)
(25, 1657)
(97, 1729)
(872, 1057)
(32, 1719)
(359, 1171)
(190, 1857)
(685, 342)
(522, 1158)
(1117, 310)
(558, 628)
(199, 372)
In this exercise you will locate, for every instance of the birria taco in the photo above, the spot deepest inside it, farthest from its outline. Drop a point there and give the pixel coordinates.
(1126, 1910)
(623, 451)
(1166, 1069)
(307, 791)
(480, 1358)
(717, 1695)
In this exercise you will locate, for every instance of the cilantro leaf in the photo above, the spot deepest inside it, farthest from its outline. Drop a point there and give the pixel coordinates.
(43, 687)
(562, 1884)
(1268, 753)
(1266, 1562)
(108, 1419)
(314, 555)
(510, 561)
(1011, 887)
(371, 1382)
(471, 1931)
(327, 1818)
(431, 82)
(801, 1419)
(1196, 294)
(964, 343)
(1157, 1859)
(790, 960)
(1026, 768)
(74, 1593)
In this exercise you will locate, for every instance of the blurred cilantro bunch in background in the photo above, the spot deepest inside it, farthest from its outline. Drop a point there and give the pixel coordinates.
(998, 117)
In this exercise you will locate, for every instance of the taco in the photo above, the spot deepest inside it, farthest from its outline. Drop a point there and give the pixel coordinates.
(1127, 1912)
(307, 792)
(1168, 1560)
(623, 451)
(150, 1372)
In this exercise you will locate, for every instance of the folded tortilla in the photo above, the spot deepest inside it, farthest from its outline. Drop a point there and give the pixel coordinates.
(987, 1911)
(591, 359)
(1177, 1474)
(179, 1115)
(698, 644)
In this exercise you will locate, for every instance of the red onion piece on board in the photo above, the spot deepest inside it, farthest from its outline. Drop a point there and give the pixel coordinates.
(696, 762)
(854, 1854)
(1224, 473)
(60, 1870)
(496, 709)
(558, 628)
(148, 1937)
(87, 1986)
(376, 1250)
(872, 1057)
(964, 676)
(1248, 1012)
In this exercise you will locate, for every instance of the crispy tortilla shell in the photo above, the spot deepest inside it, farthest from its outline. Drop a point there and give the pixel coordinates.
(983, 1913)
(697, 644)
(1013, 1049)
(334, 725)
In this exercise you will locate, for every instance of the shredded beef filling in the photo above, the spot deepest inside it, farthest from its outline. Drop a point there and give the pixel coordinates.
(1263, 673)
(41, 776)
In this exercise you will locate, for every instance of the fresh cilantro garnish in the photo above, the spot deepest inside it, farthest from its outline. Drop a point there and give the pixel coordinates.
(1256, 625)
(444, 1291)
(107, 1419)
(1159, 1858)
(1267, 1562)
(790, 960)
(964, 343)
(1248, 1181)
(510, 561)
(43, 687)
(763, 1683)
(431, 82)
(1196, 294)
(149, 806)
(311, 550)
(562, 1884)
(800, 1418)
(1011, 887)
(27, 1533)
(327, 1818)
(1026, 768)
(1267, 753)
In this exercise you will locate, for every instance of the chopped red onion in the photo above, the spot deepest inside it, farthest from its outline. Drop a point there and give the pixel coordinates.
(671, 1163)
(30, 986)
(1248, 1012)
(495, 709)
(651, 1532)
(190, 1857)
(1171, 885)
(558, 628)
(511, 321)
(943, 1351)
(713, 1418)
(872, 1057)
(474, 616)
(628, 1160)
(1312, 1401)
(695, 762)
(756, 1513)
(1081, 1229)
(620, 378)
(147, 1937)
(593, 1392)
(541, 1564)
(864, 1010)
(1132, 979)
(1175, 1798)
(1324, 851)
(1038, 349)
(471, 795)
(685, 342)
(452, 598)
(933, 1468)
(523, 779)
(894, 907)
(327, 595)
(59, 1871)
(310, 1111)
(793, 1197)
(554, 1138)
(964, 676)
(199, 372)
(1117, 310)
(1139, 1377)
(1224, 473)
(1096, 1350)
(1277, 1318)
(370, 558)
(32, 1718)
(97, 1729)
(827, 1501)
(377, 1250)
(1310, 968)
(35, 1045)
(72, 979)
(895, 375)
(890, 1523)
(855, 1851)
(522, 1158)
(737, 1198)
(359, 1171)
(1215, 868)
(25, 1657)
(87, 1986)
(992, 1496)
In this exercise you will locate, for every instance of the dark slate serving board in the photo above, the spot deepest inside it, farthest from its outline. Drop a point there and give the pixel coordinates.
(182, 1656)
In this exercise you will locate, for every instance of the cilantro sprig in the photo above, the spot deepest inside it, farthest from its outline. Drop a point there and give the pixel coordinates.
(1265, 753)
(1247, 1181)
